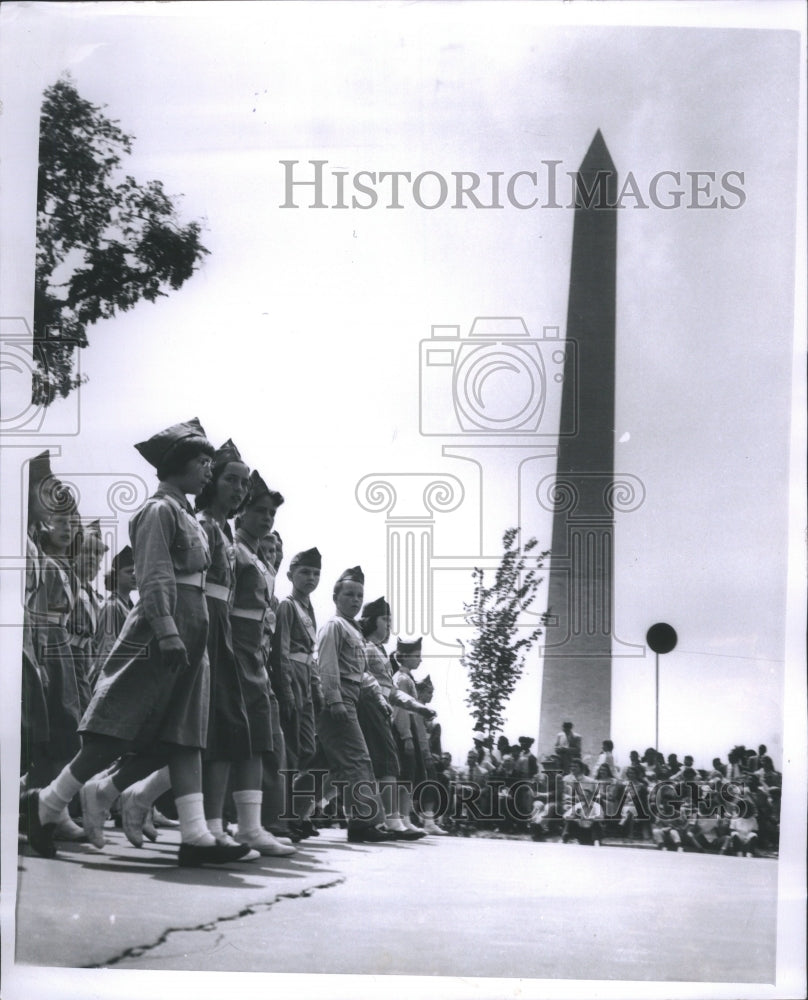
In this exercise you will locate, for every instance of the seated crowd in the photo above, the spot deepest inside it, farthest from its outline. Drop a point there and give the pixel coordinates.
(732, 807)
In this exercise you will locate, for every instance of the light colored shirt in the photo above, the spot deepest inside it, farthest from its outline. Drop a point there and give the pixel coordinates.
(111, 617)
(167, 542)
(379, 665)
(341, 657)
(222, 556)
(295, 636)
(255, 583)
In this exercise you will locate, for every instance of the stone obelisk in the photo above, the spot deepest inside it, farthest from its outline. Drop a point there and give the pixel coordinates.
(576, 683)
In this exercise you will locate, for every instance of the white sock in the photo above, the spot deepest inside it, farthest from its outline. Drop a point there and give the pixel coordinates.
(148, 789)
(57, 795)
(216, 827)
(193, 829)
(248, 809)
(393, 822)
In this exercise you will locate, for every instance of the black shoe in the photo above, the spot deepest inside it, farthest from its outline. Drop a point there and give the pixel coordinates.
(407, 834)
(309, 829)
(369, 835)
(196, 855)
(40, 835)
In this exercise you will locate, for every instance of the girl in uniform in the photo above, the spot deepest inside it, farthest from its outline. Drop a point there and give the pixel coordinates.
(342, 659)
(411, 733)
(83, 621)
(120, 582)
(34, 725)
(51, 601)
(156, 698)
(59, 537)
(377, 725)
(254, 585)
(228, 726)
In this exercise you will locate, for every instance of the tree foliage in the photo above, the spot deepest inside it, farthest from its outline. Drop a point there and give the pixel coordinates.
(495, 657)
(104, 241)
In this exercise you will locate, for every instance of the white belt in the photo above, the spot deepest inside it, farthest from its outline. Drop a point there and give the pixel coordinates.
(217, 590)
(55, 619)
(302, 657)
(193, 580)
(256, 614)
(82, 641)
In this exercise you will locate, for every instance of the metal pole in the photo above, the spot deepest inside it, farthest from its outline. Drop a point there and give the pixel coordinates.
(656, 721)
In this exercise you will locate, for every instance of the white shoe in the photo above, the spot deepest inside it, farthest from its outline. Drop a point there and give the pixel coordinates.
(227, 841)
(266, 844)
(149, 829)
(93, 814)
(135, 819)
(430, 826)
(282, 838)
(160, 820)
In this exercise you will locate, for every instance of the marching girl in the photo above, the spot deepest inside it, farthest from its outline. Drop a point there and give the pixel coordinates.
(156, 698)
(410, 730)
(119, 582)
(233, 681)
(59, 537)
(376, 724)
(83, 621)
(275, 761)
(228, 725)
(342, 659)
(254, 585)
(34, 725)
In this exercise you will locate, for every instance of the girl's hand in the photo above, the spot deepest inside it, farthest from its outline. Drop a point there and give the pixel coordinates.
(339, 713)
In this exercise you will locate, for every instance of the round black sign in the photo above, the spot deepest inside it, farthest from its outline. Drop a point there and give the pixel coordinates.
(661, 637)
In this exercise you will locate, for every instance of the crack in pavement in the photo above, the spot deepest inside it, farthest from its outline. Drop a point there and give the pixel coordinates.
(138, 951)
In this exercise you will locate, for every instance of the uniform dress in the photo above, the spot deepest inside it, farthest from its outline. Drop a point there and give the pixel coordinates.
(137, 698)
(228, 724)
(278, 738)
(56, 657)
(295, 677)
(82, 626)
(251, 601)
(34, 727)
(374, 714)
(111, 617)
(406, 724)
(380, 667)
(342, 661)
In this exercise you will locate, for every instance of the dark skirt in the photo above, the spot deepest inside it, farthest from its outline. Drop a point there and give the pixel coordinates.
(379, 737)
(278, 742)
(61, 692)
(228, 725)
(254, 680)
(138, 700)
(412, 767)
(34, 725)
(83, 661)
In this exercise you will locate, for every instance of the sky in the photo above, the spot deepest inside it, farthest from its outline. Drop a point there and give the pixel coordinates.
(300, 335)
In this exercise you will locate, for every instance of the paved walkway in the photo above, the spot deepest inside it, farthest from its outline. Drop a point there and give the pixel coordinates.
(441, 907)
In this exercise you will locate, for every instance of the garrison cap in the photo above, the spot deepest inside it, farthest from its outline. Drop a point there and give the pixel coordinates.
(157, 448)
